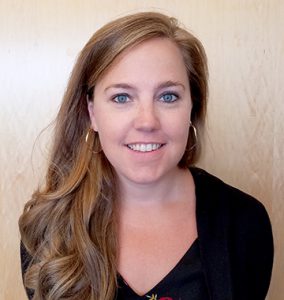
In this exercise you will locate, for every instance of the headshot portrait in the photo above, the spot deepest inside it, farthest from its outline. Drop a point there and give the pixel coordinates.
(151, 163)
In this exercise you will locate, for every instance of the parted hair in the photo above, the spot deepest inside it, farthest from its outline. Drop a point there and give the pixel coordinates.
(69, 225)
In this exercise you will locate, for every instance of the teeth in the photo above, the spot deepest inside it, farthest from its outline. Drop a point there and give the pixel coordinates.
(144, 147)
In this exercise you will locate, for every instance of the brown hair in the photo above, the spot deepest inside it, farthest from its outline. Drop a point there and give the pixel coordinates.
(69, 226)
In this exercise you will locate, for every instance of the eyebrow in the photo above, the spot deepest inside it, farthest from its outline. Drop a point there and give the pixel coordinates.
(119, 85)
(168, 83)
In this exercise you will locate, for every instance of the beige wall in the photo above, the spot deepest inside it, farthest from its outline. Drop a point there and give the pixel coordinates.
(244, 39)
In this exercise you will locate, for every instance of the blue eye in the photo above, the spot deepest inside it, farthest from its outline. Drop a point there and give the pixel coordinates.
(120, 98)
(169, 97)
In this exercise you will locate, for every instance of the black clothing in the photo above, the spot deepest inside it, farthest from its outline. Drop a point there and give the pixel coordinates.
(185, 281)
(235, 240)
(235, 237)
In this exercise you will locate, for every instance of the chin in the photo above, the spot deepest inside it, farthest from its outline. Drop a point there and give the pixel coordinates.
(147, 176)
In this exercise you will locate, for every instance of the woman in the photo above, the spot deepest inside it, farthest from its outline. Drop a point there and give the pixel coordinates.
(124, 214)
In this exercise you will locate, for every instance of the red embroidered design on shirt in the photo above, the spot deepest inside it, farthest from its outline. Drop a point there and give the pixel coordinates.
(155, 297)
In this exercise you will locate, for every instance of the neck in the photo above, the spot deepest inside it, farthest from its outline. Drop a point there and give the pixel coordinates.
(158, 203)
(156, 194)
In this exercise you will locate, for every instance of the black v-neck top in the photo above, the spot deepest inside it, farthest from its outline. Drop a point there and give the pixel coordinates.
(185, 281)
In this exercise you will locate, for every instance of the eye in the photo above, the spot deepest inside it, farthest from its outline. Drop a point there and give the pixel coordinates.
(169, 97)
(121, 98)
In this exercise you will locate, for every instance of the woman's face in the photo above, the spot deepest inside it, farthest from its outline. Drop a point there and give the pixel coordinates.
(141, 111)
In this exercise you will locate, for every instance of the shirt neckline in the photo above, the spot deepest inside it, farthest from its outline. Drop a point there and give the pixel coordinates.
(166, 279)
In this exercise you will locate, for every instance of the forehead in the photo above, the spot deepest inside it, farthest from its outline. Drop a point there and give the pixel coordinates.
(154, 59)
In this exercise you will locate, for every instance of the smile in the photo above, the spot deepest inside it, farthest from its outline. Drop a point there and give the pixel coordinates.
(144, 147)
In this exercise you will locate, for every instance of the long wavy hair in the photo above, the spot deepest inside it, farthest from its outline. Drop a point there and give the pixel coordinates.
(69, 225)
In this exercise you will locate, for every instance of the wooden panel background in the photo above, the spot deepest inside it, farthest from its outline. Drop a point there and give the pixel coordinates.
(244, 139)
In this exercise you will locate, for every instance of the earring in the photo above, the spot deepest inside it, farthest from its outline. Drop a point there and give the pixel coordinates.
(96, 141)
(195, 136)
(87, 135)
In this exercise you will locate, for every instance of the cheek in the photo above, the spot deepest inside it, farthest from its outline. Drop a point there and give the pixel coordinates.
(179, 127)
(110, 132)
(99, 120)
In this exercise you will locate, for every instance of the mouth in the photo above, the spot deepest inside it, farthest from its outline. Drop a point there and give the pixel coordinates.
(141, 147)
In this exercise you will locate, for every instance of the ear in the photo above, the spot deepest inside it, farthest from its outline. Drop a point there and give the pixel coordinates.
(92, 115)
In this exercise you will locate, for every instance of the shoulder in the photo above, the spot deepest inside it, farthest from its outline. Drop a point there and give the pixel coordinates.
(215, 194)
(240, 223)
(243, 218)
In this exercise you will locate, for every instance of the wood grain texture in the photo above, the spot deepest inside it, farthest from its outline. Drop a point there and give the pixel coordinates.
(244, 140)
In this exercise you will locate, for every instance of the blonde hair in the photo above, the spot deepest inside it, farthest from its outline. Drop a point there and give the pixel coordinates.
(69, 226)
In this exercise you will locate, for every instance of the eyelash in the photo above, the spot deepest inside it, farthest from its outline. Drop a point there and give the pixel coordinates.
(115, 98)
(174, 95)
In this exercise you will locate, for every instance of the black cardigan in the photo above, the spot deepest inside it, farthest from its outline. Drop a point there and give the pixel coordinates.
(235, 240)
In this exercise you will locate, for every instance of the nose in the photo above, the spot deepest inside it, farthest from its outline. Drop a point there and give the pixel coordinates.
(147, 118)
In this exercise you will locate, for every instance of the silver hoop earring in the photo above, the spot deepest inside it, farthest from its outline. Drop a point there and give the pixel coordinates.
(195, 136)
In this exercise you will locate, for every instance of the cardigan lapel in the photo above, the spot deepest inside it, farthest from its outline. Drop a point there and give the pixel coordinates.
(212, 227)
